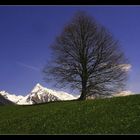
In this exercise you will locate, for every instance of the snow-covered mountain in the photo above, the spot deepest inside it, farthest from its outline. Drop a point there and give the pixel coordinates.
(12, 97)
(124, 93)
(39, 94)
(4, 101)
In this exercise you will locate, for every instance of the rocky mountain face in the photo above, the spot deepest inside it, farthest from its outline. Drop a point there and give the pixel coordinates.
(39, 94)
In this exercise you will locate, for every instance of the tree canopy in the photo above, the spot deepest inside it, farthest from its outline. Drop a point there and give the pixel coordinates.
(88, 58)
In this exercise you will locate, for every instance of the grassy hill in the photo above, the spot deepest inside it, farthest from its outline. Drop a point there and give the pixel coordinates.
(118, 115)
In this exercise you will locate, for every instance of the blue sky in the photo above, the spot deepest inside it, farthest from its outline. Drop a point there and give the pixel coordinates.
(26, 32)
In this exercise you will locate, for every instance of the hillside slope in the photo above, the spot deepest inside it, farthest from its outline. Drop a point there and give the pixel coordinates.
(118, 115)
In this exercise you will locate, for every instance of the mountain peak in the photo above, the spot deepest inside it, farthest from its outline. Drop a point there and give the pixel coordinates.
(38, 85)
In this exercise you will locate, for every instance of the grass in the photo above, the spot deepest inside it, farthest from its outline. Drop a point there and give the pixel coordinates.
(118, 115)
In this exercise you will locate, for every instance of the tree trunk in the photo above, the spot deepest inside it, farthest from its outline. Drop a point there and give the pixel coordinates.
(84, 78)
(83, 93)
(82, 97)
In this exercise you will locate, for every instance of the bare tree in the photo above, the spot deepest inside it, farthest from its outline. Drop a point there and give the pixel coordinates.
(87, 57)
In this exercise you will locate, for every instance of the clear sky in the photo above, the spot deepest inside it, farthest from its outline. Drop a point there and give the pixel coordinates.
(26, 32)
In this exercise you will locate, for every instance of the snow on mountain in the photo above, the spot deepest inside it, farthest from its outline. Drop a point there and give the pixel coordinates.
(12, 97)
(4, 101)
(39, 94)
(60, 94)
(124, 93)
(24, 101)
